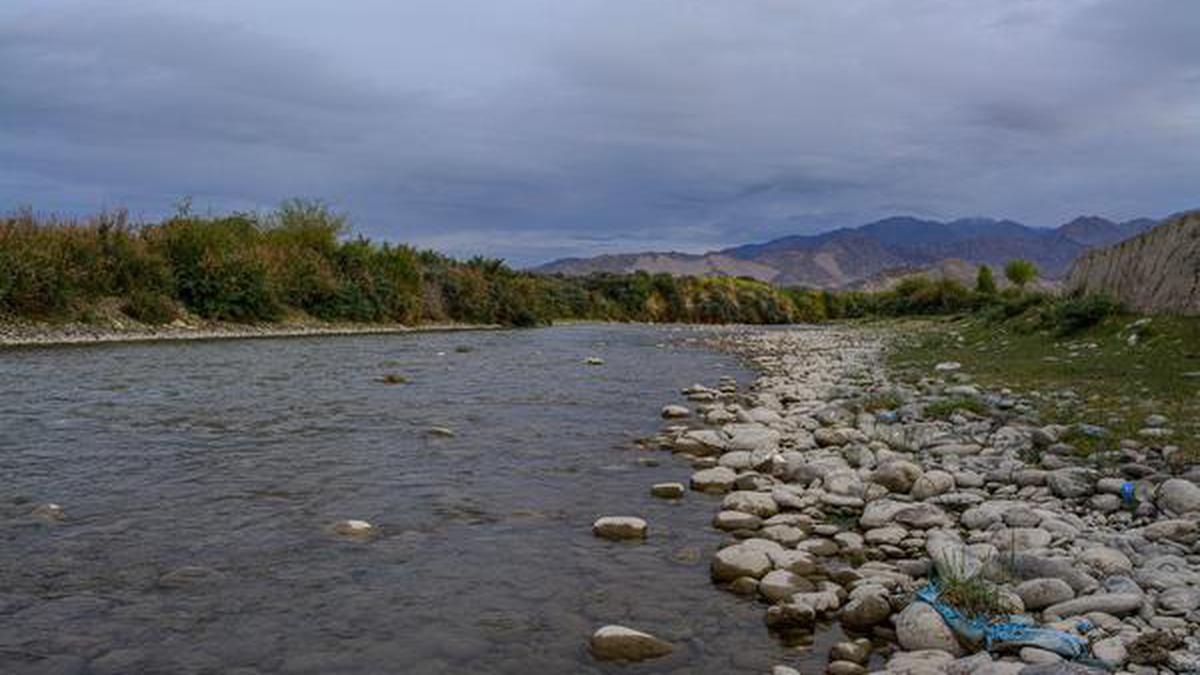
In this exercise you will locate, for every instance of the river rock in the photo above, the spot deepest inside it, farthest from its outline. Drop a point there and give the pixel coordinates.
(793, 614)
(858, 651)
(736, 520)
(1178, 497)
(897, 476)
(1070, 483)
(863, 612)
(924, 662)
(718, 479)
(619, 528)
(1041, 593)
(797, 562)
(1021, 539)
(1181, 530)
(50, 512)
(923, 516)
(667, 490)
(781, 585)
(758, 503)
(1179, 600)
(358, 529)
(881, 512)
(618, 643)
(1117, 604)
(1106, 561)
(920, 627)
(891, 535)
(740, 560)
(1111, 652)
(672, 412)
(932, 484)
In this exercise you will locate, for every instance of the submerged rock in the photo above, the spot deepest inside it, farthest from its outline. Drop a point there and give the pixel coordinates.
(618, 643)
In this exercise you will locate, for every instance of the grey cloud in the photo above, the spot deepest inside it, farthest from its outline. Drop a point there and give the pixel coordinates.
(536, 128)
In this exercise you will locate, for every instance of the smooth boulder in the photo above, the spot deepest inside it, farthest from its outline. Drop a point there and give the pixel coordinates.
(618, 643)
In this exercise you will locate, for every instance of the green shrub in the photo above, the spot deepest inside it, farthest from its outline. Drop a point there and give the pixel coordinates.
(149, 307)
(1072, 315)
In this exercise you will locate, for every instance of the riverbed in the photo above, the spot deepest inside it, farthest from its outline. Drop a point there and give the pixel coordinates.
(199, 483)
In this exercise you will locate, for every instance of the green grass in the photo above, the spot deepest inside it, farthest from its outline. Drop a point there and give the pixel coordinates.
(944, 409)
(1112, 374)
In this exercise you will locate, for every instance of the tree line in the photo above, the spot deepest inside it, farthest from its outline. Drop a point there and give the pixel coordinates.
(301, 261)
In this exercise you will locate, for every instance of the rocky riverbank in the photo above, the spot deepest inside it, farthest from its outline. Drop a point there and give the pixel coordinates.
(843, 499)
(30, 334)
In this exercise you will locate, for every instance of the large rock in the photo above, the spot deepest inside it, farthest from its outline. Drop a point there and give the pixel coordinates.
(718, 479)
(1021, 539)
(1117, 604)
(736, 520)
(1178, 497)
(1041, 593)
(923, 516)
(1106, 561)
(932, 484)
(740, 560)
(1070, 483)
(618, 643)
(671, 412)
(751, 437)
(1111, 652)
(759, 503)
(897, 476)
(794, 614)
(617, 528)
(781, 585)
(923, 662)
(668, 490)
(863, 612)
(920, 627)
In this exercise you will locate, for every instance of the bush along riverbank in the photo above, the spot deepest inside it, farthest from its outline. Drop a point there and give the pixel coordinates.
(943, 525)
(299, 263)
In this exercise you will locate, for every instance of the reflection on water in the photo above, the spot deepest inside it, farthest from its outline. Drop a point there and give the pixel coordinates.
(199, 482)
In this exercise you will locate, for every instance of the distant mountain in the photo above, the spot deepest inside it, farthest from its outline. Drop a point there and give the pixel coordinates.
(1096, 231)
(849, 256)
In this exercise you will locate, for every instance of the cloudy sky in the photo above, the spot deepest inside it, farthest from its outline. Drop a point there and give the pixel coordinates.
(533, 129)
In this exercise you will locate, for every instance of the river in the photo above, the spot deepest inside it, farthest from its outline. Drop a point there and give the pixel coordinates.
(200, 480)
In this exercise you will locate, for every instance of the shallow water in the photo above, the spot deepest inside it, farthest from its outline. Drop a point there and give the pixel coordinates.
(236, 456)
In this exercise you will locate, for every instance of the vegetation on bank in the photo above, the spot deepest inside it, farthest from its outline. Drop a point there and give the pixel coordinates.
(1082, 361)
(300, 259)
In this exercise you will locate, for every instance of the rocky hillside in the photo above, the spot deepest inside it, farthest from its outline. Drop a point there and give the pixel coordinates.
(846, 257)
(1158, 271)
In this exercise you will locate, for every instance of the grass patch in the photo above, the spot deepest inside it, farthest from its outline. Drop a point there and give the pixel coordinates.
(1113, 373)
(969, 593)
(393, 378)
(944, 409)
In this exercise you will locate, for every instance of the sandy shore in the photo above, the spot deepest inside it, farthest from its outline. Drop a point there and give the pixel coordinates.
(42, 335)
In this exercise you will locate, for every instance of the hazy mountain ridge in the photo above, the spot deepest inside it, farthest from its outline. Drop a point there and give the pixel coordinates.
(849, 256)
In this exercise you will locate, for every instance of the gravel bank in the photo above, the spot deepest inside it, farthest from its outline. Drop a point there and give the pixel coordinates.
(842, 499)
(32, 334)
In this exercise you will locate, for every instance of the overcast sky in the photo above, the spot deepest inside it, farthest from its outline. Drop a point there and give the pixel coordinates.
(533, 129)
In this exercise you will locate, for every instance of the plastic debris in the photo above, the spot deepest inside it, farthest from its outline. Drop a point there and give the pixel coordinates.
(1003, 632)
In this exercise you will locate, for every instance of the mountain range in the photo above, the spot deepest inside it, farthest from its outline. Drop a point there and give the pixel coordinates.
(850, 257)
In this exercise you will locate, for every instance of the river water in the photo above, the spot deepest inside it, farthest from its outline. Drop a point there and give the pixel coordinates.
(199, 482)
